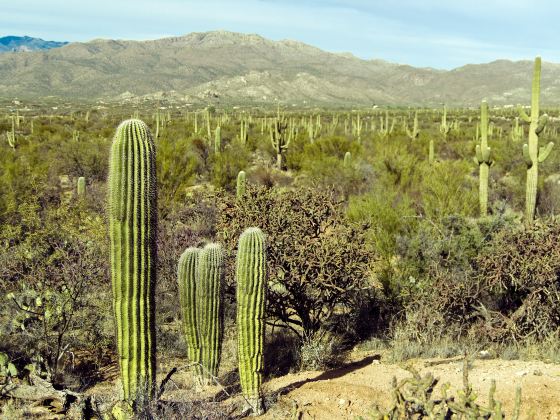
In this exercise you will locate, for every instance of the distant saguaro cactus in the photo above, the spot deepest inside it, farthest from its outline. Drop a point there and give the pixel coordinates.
(81, 189)
(531, 152)
(413, 134)
(133, 226)
(483, 159)
(251, 283)
(187, 278)
(217, 140)
(280, 140)
(209, 309)
(241, 184)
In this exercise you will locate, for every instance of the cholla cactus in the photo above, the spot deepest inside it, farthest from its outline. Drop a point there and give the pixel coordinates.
(531, 152)
(483, 160)
(251, 281)
(187, 275)
(209, 309)
(133, 225)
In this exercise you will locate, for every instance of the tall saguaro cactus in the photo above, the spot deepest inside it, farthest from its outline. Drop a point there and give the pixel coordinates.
(132, 231)
(531, 152)
(187, 278)
(251, 281)
(483, 160)
(280, 140)
(413, 134)
(209, 309)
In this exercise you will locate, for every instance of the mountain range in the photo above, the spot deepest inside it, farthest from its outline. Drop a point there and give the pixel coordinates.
(233, 68)
(26, 44)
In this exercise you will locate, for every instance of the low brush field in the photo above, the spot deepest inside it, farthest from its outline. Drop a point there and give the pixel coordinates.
(391, 292)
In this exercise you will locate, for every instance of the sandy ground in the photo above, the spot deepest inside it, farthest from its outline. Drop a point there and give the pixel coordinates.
(356, 388)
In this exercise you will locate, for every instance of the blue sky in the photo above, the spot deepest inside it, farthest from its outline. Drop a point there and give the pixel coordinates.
(440, 34)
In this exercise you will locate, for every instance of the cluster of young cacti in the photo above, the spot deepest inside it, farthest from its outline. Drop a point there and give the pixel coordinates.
(132, 230)
(531, 152)
(483, 159)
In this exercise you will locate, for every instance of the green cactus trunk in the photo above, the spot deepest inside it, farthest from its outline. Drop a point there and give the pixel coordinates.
(81, 187)
(531, 152)
(209, 309)
(217, 140)
(187, 277)
(241, 184)
(482, 158)
(431, 152)
(347, 159)
(133, 226)
(251, 281)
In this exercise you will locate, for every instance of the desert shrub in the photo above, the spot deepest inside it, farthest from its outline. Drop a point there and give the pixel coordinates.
(519, 274)
(227, 164)
(54, 265)
(317, 261)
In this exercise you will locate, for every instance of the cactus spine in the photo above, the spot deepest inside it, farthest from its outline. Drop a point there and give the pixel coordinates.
(187, 278)
(483, 160)
(241, 184)
(209, 309)
(81, 186)
(251, 280)
(531, 152)
(133, 220)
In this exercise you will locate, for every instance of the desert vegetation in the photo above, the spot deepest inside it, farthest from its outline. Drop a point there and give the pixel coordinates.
(160, 261)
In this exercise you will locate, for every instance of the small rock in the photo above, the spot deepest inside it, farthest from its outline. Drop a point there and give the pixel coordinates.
(537, 372)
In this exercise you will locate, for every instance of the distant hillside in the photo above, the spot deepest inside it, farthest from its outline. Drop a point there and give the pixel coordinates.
(239, 68)
(26, 44)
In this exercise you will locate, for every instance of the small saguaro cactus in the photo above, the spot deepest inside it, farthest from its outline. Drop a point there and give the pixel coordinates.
(483, 160)
(241, 184)
(209, 309)
(431, 152)
(251, 283)
(187, 273)
(413, 134)
(347, 159)
(132, 229)
(81, 186)
(243, 132)
(217, 139)
(531, 152)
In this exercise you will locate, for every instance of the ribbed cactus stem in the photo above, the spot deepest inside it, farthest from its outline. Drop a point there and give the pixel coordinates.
(483, 159)
(431, 152)
(531, 152)
(347, 159)
(209, 309)
(81, 186)
(133, 225)
(217, 140)
(241, 184)
(251, 282)
(187, 273)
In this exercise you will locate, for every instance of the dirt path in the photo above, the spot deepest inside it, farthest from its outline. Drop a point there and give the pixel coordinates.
(354, 389)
